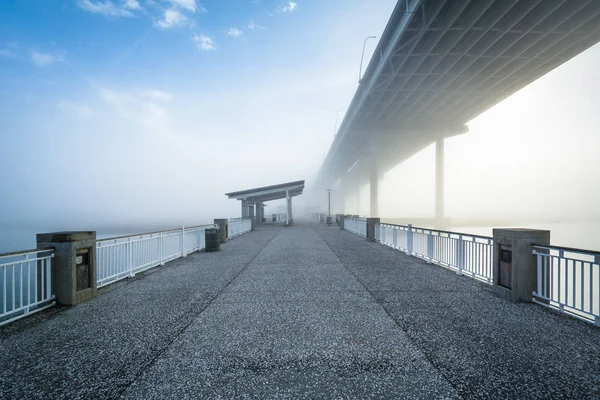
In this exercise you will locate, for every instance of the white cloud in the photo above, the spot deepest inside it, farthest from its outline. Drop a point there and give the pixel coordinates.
(234, 32)
(108, 8)
(43, 59)
(147, 114)
(189, 5)
(290, 7)
(73, 109)
(7, 52)
(131, 4)
(252, 26)
(173, 18)
(157, 95)
(204, 42)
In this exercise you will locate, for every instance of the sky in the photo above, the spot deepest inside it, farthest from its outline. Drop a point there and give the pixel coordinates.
(124, 115)
(121, 112)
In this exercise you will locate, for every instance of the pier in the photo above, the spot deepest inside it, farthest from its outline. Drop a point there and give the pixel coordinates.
(307, 311)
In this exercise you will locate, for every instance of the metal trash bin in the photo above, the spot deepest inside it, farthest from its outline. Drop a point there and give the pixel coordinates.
(212, 240)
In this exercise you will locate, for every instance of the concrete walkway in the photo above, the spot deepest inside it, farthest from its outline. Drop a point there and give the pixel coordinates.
(301, 312)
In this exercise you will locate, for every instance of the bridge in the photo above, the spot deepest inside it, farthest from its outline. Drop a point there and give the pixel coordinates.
(306, 311)
(438, 65)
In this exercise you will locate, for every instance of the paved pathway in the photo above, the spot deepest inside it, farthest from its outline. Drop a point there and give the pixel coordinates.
(301, 312)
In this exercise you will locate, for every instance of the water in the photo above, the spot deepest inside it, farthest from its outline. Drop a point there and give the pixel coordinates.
(581, 235)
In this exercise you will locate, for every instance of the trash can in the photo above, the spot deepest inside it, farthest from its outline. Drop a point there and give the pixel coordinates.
(212, 240)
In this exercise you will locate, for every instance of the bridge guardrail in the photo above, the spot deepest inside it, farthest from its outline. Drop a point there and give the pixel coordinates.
(568, 280)
(239, 226)
(356, 226)
(25, 283)
(469, 255)
(122, 257)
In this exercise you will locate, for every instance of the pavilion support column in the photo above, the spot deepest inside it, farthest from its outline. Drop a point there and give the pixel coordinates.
(245, 213)
(374, 194)
(439, 180)
(288, 207)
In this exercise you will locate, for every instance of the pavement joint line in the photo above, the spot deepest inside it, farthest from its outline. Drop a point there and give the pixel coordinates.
(186, 326)
(381, 304)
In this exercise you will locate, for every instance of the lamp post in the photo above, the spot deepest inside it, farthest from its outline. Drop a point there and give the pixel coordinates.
(362, 57)
(329, 206)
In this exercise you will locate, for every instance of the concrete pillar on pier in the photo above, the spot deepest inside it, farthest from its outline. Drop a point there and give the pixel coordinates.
(223, 228)
(515, 271)
(74, 277)
(374, 193)
(439, 180)
(371, 228)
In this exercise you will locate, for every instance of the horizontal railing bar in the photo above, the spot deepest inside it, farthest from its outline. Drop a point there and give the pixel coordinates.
(155, 232)
(25, 252)
(26, 261)
(567, 249)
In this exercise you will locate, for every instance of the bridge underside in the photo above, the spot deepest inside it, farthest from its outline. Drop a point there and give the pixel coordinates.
(440, 63)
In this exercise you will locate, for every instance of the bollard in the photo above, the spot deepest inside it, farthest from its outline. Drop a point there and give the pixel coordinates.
(515, 265)
(223, 228)
(371, 228)
(74, 278)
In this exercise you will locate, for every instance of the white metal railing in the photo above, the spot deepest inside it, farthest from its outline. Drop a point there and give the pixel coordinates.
(469, 255)
(238, 227)
(568, 280)
(123, 257)
(356, 226)
(25, 284)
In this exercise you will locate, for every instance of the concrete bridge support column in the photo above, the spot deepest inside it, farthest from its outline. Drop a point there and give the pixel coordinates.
(439, 180)
(374, 194)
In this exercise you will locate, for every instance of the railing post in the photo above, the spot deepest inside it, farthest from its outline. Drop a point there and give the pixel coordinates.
(459, 255)
(160, 250)
(409, 240)
(430, 247)
(395, 238)
(539, 275)
(129, 245)
(182, 240)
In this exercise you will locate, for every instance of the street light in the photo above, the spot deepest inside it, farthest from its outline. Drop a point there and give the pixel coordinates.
(329, 202)
(362, 56)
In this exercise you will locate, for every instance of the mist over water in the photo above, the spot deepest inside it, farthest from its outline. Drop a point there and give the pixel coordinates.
(125, 148)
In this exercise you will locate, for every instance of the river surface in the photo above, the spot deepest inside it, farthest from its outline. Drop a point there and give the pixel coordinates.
(583, 235)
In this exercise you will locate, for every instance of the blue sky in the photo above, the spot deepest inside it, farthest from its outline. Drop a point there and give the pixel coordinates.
(125, 114)
(121, 112)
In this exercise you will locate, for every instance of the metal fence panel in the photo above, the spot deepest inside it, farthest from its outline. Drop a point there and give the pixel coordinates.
(468, 255)
(568, 280)
(123, 257)
(25, 284)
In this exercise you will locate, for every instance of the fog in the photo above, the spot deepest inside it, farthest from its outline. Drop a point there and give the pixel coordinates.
(146, 136)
